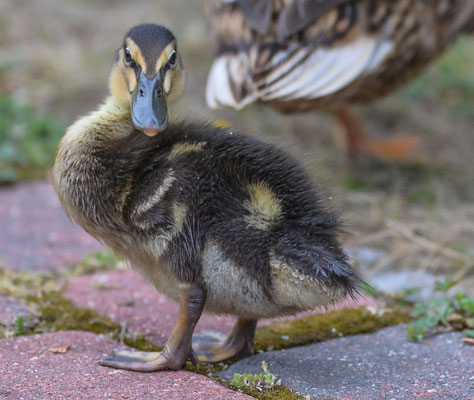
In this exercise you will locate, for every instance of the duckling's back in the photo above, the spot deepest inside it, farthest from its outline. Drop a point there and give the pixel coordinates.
(239, 215)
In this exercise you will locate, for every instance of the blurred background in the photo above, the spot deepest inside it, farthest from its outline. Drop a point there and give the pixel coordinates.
(405, 223)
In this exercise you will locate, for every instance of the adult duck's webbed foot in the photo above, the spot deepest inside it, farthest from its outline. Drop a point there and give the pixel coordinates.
(356, 142)
(212, 346)
(177, 349)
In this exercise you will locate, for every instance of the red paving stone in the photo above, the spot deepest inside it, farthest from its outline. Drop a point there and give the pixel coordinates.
(125, 296)
(28, 370)
(35, 233)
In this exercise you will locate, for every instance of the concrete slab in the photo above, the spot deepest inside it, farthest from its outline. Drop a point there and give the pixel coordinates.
(384, 365)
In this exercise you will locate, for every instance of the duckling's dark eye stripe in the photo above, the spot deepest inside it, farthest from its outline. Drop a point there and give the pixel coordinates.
(136, 69)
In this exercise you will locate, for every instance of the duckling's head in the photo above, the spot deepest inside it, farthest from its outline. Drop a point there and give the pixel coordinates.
(147, 76)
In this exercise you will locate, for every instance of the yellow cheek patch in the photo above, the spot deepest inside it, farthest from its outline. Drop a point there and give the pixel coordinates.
(177, 87)
(263, 206)
(167, 82)
(131, 79)
(118, 83)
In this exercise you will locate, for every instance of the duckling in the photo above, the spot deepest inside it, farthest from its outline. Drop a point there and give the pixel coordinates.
(216, 220)
(301, 55)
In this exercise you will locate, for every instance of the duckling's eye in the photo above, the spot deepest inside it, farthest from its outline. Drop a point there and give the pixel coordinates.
(128, 58)
(172, 59)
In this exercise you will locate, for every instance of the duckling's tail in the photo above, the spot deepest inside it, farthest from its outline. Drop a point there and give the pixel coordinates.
(318, 258)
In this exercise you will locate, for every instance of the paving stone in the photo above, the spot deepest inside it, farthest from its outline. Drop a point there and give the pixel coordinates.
(35, 233)
(397, 281)
(29, 370)
(125, 296)
(384, 365)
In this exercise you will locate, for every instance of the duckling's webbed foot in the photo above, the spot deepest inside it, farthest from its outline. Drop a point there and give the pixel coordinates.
(178, 347)
(213, 346)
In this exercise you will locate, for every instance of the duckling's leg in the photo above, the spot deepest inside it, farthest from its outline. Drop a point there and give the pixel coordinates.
(357, 143)
(178, 346)
(239, 343)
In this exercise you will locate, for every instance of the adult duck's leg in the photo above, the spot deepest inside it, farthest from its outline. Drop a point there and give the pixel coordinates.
(358, 143)
(215, 347)
(178, 347)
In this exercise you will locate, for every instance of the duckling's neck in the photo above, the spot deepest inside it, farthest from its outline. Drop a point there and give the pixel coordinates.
(89, 176)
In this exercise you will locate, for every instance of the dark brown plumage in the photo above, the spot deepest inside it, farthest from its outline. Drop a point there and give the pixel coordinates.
(300, 55)
(214, 219)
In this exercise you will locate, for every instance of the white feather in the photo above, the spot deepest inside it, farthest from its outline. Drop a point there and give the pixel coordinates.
(323, 72)
(351, 61)
(328, 70)
(381, 52)
(281, 64)
(316, 65)
(218, 90)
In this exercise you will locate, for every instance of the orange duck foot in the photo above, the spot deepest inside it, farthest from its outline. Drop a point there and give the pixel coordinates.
(357, 143)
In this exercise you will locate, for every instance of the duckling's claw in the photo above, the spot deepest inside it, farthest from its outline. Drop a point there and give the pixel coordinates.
(148, 361)
(135, 361)
(214, 346)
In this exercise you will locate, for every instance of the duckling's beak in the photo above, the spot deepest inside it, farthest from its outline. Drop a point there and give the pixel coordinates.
(149, 109)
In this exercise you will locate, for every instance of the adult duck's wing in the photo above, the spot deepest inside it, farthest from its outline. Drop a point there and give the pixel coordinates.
(312, 48)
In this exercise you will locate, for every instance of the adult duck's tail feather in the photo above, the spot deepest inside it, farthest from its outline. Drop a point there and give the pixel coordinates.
(227, 84)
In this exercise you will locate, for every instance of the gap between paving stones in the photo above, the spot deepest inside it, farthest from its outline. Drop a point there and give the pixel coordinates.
(56, 313)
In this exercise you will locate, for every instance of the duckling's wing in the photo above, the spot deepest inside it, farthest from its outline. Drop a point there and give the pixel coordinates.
(332, 48)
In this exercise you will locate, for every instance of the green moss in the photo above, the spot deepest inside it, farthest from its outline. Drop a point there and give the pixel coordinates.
(59, 314)
(92, 263)
(279, 392)
(24, 284)
(320, 327)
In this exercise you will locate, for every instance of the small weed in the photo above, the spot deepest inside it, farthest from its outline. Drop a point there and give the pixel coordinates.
(468, 333)
(258, 381)
(448, 312)
(19, 325)
(262, 386)
(95, 262)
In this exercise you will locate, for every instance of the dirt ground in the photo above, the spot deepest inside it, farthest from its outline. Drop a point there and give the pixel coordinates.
(57, 55)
